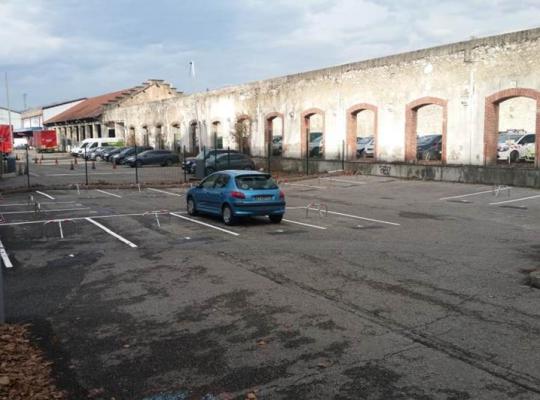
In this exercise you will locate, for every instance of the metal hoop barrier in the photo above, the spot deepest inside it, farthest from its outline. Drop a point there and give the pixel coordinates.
(319, 207)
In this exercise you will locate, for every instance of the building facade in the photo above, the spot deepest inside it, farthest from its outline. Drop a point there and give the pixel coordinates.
(466, 92)
(7, 115)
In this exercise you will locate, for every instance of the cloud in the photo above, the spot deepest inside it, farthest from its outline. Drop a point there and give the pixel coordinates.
(64, 48)
(25, 37)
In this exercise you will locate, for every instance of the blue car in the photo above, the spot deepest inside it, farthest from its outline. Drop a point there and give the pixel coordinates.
(234, 194)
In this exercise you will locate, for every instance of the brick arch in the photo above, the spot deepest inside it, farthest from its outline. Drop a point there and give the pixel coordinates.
(411, 119)
(305, 127)
(268, 119)
(352, 113)
(491, 121)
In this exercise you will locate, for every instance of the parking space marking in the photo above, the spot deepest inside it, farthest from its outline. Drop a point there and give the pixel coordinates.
(5, 257)
(109, 193)
(304, 224)
(205, 224)
(94, 173)
(303, 185)
(114, 234)
(345, 181)
(45, 211)
(34, 174)
(471, 194)
(45, 194)
(41, 202)
(61, 230)
(359, 217)
(72, 219)
(164, 191)
(511, 201)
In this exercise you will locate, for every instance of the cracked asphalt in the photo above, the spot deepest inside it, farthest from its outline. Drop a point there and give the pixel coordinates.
(392, 294)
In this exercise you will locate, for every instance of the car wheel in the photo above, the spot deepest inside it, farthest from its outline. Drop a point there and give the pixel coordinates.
(228, 215)
(276, 219)
(514, 156)
(191, 207)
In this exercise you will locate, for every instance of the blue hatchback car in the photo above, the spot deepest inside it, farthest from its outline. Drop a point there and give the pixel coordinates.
(234, 194)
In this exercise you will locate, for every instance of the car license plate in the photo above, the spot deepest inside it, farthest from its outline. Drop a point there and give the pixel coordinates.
(263, 197)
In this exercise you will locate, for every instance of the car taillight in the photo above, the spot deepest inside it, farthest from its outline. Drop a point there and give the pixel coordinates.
(238, 195)
(281, 195)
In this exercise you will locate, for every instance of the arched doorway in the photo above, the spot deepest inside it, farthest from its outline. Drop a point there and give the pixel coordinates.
(362, 128)
(217, 135)
(176, 137)
(159, 141)
(242, 133)
(425, 130)
(145, 136)
(312, 133)
(273, 134)
(492, 123)
(131, 140)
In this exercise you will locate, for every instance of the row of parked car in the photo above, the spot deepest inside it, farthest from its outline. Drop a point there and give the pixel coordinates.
(213, 159)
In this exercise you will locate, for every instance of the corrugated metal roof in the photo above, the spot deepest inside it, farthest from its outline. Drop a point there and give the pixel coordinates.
(87, 109)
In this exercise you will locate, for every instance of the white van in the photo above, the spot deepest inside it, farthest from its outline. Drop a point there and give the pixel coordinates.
(90, 145)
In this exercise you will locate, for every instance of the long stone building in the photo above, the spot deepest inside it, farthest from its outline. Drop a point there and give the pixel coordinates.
(467, 92)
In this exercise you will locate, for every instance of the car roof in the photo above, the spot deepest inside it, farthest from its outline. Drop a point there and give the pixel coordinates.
(240, 172)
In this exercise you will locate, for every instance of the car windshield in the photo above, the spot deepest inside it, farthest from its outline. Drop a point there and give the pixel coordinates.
(255, 182)
(506, 137)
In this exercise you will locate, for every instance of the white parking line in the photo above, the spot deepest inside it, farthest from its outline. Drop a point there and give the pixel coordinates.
(5, 257)
(45, 211)
(45, 194)
(471, 194)
(116, 235)
(304, 224)
(94, 173)
(358, 217)
(72, 219)
(41, 202)
(164, 191)
(61, 230)
(345, 181)
(205, 224)
(109, 193)
(511, 201)
(303, 185)
(34, 174)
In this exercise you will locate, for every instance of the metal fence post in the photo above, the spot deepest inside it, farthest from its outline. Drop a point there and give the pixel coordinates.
(86, 165)
(343, 155)
(136, 166)
(27, 167)
(269, 158)
(204, 160)
(228, 157)
(184, 162)
(215, 151)
(307, 151)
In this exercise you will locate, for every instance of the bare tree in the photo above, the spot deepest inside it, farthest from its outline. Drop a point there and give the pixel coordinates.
(242, 134)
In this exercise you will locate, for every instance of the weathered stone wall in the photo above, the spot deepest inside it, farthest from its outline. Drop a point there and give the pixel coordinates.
(459, 76)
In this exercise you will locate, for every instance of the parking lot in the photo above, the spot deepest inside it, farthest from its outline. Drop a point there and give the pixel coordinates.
(370, 288)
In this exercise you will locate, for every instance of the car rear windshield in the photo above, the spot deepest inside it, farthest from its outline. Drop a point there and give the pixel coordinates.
(255, 182)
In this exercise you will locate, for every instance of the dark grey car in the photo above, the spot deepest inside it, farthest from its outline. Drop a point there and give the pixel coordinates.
(153, 157)
(229, 161)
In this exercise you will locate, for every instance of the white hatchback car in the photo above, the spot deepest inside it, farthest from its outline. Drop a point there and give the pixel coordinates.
(514, 147)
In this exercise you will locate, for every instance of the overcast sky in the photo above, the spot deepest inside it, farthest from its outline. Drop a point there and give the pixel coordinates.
(61, 49)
